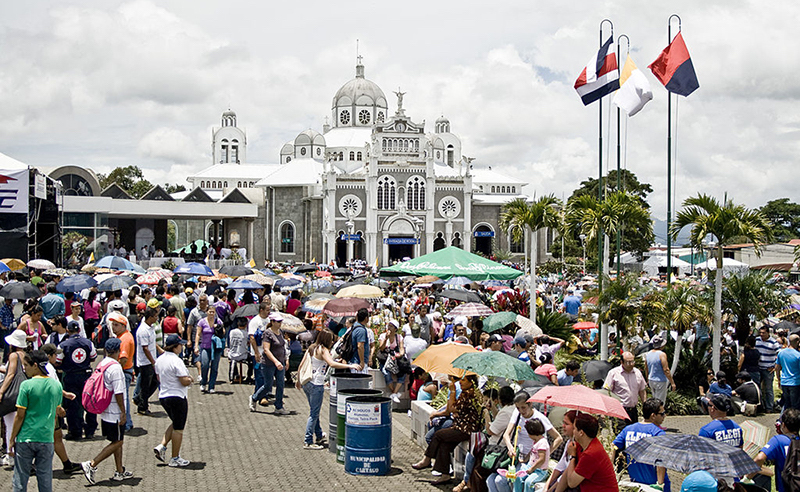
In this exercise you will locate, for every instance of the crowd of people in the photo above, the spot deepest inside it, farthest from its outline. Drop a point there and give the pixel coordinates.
(153, 338)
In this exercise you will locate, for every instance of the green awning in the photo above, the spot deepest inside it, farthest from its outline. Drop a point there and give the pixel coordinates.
(188, 248)
(695, 259)
(452, 261)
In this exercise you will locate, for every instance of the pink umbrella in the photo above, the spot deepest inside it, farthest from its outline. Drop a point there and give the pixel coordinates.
(579, 397)
(470, 309)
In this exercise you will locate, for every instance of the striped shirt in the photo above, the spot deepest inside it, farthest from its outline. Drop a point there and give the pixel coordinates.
(769, 352)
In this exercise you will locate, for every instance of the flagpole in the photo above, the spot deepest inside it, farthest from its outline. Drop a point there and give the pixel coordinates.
(601, 234)
(619, 156)
(669, 158)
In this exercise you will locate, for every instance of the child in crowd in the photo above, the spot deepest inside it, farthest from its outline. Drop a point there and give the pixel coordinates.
(536, 471)
(237, 350)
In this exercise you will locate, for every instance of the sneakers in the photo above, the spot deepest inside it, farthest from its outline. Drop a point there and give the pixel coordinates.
(88, 471)
(161, 453)
(72, 468)
(316, 446)
(203, 388)
(199, 378)
(212, 391)
(395, 397)
(280, 411)
(322, 439)
(118, 477)
(252, 404)
(8, 461)
(178, 462)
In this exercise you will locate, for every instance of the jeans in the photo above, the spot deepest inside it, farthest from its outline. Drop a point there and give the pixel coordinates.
(469, 464)
(315, 394)
(499, 483)
(128, 378)
(39, 454)
(273, 375)
(148, 385)
(791, 397)
(80, 423)
(767, 393)
(444, 425)
(388, 376)
(258, 376)
(206, 363)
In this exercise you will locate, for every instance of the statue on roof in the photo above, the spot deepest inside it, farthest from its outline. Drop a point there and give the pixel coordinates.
(399, 99)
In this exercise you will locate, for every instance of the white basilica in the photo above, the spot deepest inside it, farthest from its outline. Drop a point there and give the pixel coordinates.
(374, 185)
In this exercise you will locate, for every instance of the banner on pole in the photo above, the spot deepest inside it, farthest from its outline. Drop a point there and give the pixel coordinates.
(14, 191)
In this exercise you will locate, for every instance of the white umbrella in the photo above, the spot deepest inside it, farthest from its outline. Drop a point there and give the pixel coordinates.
(41, 264)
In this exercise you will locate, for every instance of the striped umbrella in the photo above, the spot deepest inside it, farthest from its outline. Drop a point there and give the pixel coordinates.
(315, 305)
(686, 453)
(470, 309)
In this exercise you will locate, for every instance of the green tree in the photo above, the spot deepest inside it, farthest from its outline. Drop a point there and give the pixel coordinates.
(683, 305)
(724, 221)
(783, 217)
(129, 178)
(521, 218)
(587, 215)
(176, 188)
(619, 302)
(635, 240)
(749, 295)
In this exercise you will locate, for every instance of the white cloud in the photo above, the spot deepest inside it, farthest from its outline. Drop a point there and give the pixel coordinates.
(170, 144)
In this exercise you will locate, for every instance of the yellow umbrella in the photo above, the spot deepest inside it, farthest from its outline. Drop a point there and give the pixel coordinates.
(439, 358)
(13, 263)
(361, 292)
(259, 279)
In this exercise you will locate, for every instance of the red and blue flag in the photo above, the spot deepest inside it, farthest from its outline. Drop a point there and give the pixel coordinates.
(600, 77)
(674, 68)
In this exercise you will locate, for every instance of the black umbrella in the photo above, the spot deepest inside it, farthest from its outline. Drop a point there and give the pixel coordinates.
(307, 268)
(117, 282)
(341, 272)
(348, 284)
(236, 270)
(76, 283)
(20, 290)
(328, 289)
(786, 325)
(460, 295)
(246, 311)
(596, 369)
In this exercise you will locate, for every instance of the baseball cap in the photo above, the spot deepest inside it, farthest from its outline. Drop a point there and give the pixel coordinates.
(112, 345)
(118, 317)
(189, 290)
(699, 481)
(75, 303)
(275, 316)
(153, 303)
(744, 376)
(116, 304)
(722, 402)
(73, 326)
(721, 375)
(173, 340)
(141, 307)
(494, 338)
(50, 349)
(521, 341)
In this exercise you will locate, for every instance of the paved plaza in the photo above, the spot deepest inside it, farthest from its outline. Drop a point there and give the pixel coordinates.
(233, 449)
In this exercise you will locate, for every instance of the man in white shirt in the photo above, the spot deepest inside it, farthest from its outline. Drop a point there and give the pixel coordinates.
(112, 420)
(146, 352)
(257, 326)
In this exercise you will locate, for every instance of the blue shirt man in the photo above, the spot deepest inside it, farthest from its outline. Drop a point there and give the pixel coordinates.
(360, 337)
(52, 304)
(778, 446)
(722, 429)
(653, 411)
(572, 303)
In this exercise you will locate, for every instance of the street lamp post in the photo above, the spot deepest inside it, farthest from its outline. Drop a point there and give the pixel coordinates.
(583, 243)
(417, 235)
(350, 231)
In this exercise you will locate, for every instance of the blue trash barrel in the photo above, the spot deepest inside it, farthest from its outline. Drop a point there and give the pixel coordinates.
(342, 381)
(341, 398)
(368, 435)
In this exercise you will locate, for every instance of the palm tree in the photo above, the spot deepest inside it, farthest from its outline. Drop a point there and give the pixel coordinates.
(749, 295)
(683, 305)
(619, 302)
(589, 216)
(519, 218)
(725, 221)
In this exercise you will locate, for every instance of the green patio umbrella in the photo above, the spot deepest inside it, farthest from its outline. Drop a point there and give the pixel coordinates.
(499, 320)
(497, 364)
(452, 261)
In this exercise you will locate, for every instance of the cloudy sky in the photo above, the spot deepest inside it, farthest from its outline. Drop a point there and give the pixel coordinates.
(106, 83)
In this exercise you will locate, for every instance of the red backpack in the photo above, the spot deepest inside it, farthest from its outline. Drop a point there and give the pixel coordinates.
(96, 397)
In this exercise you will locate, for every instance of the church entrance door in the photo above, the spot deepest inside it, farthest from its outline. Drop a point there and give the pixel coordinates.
(399, 252)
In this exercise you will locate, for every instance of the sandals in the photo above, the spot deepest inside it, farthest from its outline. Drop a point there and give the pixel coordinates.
(461, 487)
(444, 479)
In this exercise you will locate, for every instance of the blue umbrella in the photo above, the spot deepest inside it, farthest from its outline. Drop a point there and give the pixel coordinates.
(244, 284)
(4, 267)
(117, 282)
(114, 263)
(287, 282)
(267, 271)
(193, 268)
(76, 283)
(493, 283)
(457, 281)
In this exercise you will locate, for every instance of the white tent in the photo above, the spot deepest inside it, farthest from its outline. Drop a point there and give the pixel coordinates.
(729, 265)
(10, 164)
(652, 264)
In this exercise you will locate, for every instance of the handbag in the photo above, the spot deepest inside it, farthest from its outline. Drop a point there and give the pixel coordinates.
(496, 455)
(9, 402)
(391, 366)
(304, 372)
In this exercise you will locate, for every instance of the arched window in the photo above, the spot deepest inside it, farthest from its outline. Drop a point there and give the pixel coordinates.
(415, 193)
(503, 189)
(387, 188)
(492, 189)
(358, 157)
(515, 247)
(352, 155)
(513, 189)
(450, 155)
(287, 237)
(202, 184)
(226, 184)
(224, 154)
(238, 184)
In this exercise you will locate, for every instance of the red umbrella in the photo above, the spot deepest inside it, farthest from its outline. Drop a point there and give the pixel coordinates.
(579, 397)
(322, 273)
(346, 306)
(584, 325)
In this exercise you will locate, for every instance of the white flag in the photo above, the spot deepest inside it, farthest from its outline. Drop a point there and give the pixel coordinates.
(634, 91)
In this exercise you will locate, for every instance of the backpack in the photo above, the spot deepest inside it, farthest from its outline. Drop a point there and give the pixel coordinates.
(344, 347)
(791, 468)
(305, 372)
(96, 397)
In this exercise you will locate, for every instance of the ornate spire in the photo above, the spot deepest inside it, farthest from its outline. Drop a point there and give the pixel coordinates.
(359, 68)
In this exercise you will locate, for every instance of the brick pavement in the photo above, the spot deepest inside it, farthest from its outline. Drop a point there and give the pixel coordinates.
(233, 449)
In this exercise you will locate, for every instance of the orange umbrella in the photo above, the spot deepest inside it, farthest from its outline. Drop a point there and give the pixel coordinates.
(439, 358)
(13, 263)
(322, 273)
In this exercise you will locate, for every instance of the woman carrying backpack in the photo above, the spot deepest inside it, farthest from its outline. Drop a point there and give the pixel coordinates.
(321, 359)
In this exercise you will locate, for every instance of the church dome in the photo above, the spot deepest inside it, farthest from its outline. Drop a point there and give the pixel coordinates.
(309, 137)
(229, 113)
(360, 91)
